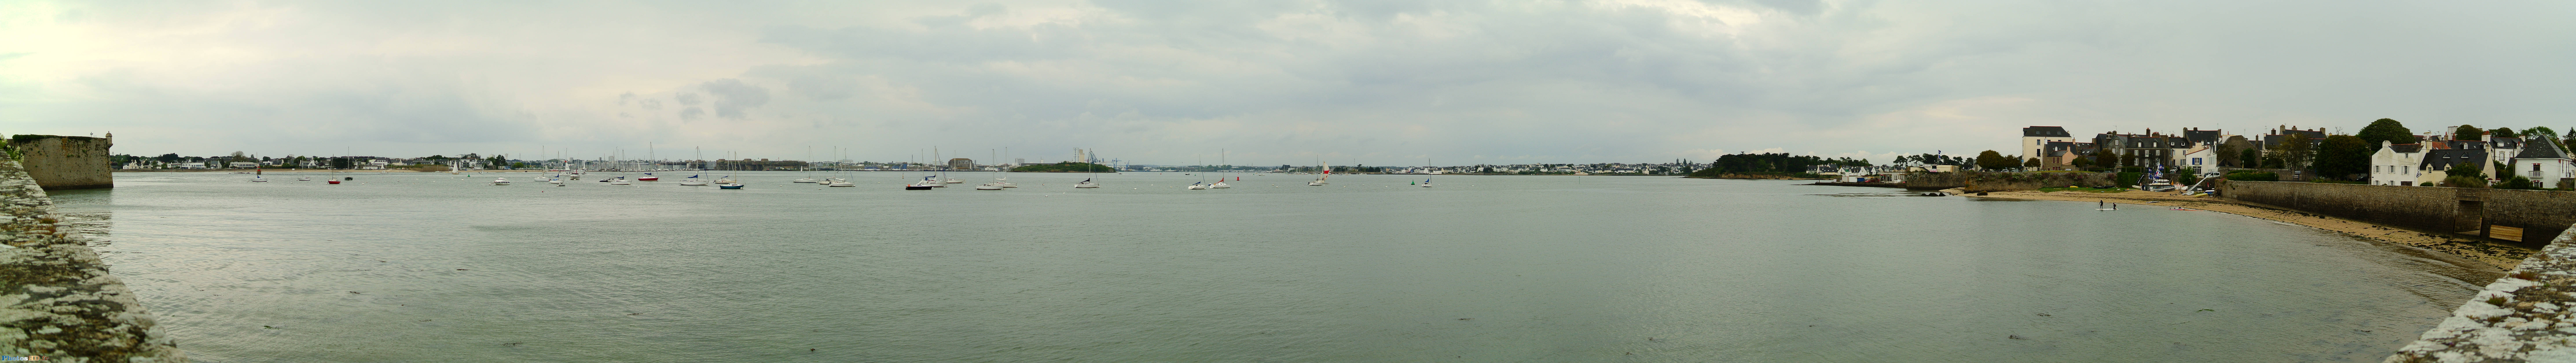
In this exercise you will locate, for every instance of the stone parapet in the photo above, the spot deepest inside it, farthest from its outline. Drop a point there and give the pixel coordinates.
(2523, 317)
(66, 162)
(56, 298)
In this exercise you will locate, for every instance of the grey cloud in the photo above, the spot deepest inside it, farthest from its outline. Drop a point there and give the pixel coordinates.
(686, 99)
(732, 96)
(692, 113)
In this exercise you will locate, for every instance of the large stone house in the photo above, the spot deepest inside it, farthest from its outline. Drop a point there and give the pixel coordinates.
(2397, 164)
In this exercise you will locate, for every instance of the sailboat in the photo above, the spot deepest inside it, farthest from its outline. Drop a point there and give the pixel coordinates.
(261, 179)
(648, 177)
(805, 180)
(304, 179)
(692, 180)
(1220, 176)
(500, 181)
(1426, 164)
(1322, 171)
(925, 184)
(1086, 182)
(1196, 185)
(728, 179)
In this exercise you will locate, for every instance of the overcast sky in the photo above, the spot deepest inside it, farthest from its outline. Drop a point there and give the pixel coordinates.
(1379, 82)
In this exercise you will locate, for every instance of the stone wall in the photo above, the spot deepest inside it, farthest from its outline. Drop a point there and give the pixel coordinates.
(66, 162)
(1996, 182)
(2464, 211)
(56, 298)
(2523, 317)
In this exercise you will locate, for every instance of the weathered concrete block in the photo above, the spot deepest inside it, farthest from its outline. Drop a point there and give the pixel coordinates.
(67, 162)
(56, 298)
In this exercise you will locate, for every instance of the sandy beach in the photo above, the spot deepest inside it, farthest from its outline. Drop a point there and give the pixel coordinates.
(2502, 257)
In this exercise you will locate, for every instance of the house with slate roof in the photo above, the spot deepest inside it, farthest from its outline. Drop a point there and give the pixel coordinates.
(2545, 163)
(2438, 162)
(2035, 139)
(2397, 164)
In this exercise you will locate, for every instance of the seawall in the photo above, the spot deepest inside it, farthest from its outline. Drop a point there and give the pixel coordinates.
(2525, 217)
(1972, 182)
(66, 162)
(56, 298)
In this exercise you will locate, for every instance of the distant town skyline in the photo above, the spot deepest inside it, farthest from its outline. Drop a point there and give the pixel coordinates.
(1379, 83)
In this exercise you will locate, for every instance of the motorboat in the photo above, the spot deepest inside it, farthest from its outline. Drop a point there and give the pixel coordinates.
(840, 183)
(619, 182)
(500, 181)
(729, 186)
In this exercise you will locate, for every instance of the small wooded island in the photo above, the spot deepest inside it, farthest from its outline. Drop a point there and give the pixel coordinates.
(1065, 167)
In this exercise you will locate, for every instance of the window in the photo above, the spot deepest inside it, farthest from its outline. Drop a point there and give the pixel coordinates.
(2195, 161)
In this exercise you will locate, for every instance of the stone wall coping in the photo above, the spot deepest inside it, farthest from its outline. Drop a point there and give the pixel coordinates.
(2522, 317)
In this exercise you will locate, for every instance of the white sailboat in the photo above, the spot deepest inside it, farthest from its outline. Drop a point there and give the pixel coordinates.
(1426, 165)
(1322, 171)
(500, 181)
(1220, 177)
(693, 180)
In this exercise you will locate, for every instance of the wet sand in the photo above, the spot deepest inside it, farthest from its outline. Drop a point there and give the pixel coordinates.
(2501, 257)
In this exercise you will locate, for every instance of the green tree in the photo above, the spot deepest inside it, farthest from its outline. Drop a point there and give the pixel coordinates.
(2341, 157)
(2295, 151)
(2033, 164)
(2466, 132)
(2249, 158)
(2540, 132)
(2502, 132)
(2386, 130)
(2464, 175)
(1991, 160)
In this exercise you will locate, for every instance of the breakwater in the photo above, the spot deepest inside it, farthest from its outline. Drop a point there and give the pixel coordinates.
(1995, 182)
(66, 162)
(56, 298)
(2525, 217)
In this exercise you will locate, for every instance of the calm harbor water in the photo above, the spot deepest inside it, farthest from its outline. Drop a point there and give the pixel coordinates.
(439, 267)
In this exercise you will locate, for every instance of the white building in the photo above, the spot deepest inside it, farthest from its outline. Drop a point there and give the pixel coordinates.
(2544, 163)
(2399, 165)
(2204, 157)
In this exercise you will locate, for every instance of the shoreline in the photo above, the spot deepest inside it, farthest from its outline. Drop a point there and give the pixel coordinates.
(2497, 256)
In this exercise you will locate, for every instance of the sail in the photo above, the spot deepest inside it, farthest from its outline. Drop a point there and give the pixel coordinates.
(1086, 180)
